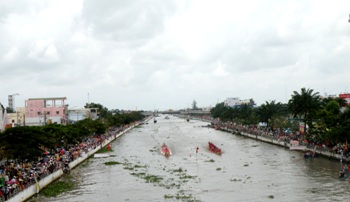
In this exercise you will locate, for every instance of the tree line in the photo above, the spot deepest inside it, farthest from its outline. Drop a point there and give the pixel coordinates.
(324, 119)
(27, 143)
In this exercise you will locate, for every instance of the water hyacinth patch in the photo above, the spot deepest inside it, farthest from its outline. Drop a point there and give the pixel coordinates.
(109, 163)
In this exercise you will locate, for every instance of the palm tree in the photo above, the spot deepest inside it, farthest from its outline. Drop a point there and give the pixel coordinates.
(267, 111)
(304, 105)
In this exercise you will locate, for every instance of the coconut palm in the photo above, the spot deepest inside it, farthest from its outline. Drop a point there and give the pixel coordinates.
(304, 105)
(271, 109)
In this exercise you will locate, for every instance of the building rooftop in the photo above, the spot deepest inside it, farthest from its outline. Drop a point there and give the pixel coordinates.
(50, 98)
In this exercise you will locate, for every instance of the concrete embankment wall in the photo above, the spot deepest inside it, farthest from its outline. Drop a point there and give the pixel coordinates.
(320, 152)
(31, 190)
(271, 140)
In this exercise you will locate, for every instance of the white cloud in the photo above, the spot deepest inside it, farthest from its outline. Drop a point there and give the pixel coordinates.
(164, 54)
(11, 55)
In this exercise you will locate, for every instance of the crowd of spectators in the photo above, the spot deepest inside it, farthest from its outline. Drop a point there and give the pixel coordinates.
(286, 135)
(16, 176)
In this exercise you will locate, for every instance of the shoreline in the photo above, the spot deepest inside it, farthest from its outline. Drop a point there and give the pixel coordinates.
(30, 191)
(281, 143)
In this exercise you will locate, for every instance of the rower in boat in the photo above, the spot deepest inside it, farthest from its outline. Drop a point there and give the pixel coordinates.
(214, 148)
(165, 150)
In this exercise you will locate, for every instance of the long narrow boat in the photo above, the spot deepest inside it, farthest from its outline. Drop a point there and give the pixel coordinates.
(165, 150)
(344, 173)
(214, 148)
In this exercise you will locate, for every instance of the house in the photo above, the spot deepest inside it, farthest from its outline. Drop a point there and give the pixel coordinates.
(40, 111)
(16, 118)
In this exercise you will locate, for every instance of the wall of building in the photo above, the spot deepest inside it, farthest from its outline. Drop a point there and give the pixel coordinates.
(40, 111)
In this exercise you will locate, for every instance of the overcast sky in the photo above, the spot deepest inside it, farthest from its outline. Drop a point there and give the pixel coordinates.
(163, 54)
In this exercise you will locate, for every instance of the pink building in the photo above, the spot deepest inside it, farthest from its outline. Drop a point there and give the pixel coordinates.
(40, 111)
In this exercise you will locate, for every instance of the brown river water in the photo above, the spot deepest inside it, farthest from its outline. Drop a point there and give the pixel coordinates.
(247, 170)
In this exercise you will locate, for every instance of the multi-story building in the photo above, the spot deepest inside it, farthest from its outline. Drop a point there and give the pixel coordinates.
(40, 111)
(235, 102)
(75, 115)
(16, 118)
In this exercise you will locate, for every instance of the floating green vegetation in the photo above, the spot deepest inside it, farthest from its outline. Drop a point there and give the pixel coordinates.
(152, 178)
(271, 196)
(218, 169)
(172, 185)
(211, 160)
(187, 177)
(138, 174)
(235, 180)
(109, 163)
(57, 188)
(181, 197)
(128, 168)
(138, 166)
(178, 170)
(104, 150)
(168, 196)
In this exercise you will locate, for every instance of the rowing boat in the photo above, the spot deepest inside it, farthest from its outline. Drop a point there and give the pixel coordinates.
(214, 148)
(165, 150)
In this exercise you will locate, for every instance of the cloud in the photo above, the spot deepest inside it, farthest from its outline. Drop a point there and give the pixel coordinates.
(164, 54)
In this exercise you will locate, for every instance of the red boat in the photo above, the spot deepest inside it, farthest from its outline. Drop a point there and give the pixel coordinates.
(165, 150)
(214, 148)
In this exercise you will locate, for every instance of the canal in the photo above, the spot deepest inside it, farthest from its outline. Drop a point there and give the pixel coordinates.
(247, 170)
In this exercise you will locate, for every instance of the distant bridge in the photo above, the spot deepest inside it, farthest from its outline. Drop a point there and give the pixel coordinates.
(182, 112)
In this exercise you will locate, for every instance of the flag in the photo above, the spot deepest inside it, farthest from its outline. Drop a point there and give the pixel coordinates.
(197, 150)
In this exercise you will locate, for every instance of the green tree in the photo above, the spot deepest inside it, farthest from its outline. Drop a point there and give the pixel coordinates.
(345, 123)
(305, 105)
(218, 110)
(246, 114)
(269, 111)
(24, 143)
